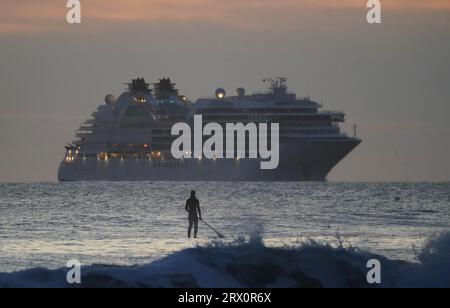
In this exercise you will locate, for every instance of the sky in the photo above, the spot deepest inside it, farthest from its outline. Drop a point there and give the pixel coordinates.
(392, 80)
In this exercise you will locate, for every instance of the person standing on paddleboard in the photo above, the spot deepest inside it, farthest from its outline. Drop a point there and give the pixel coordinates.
(193, 208)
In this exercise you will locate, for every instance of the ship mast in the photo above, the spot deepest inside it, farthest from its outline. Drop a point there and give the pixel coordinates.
(138, 85)
(277, 85)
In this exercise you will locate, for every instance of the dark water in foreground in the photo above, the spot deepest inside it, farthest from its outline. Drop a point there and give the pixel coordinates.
(44, 225)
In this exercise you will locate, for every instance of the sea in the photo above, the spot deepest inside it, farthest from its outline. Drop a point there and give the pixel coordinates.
(141, 227)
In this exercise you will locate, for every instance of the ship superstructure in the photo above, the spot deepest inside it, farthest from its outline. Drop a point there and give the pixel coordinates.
(129, 138)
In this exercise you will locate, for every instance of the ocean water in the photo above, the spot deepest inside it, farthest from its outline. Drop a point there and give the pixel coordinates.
(46, 224)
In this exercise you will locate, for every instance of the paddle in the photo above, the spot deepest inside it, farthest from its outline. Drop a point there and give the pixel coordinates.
(220, 235)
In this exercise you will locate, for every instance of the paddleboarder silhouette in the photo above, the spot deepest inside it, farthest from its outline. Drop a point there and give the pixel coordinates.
(194, 213)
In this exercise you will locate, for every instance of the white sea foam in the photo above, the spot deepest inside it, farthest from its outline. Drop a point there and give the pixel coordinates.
(252, 264)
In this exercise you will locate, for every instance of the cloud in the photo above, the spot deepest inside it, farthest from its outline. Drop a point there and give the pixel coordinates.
(30, 16)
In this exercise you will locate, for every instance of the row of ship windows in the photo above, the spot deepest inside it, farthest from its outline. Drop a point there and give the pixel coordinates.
(308, 132)
(258, 110)
(170, 165)
(147, 129)
(168, 132)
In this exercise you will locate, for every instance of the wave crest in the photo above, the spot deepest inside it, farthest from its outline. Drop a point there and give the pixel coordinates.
(252, 264)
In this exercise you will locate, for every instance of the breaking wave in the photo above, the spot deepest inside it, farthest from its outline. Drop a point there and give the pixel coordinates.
(251, 264)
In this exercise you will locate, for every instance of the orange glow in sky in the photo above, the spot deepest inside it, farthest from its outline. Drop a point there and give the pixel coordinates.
(44, 16)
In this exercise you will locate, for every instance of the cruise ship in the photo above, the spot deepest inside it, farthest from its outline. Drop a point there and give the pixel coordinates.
(130, 138)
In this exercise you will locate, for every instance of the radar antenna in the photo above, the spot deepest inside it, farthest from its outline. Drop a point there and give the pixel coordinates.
(277, 85)
(165, 89)
(138, 85)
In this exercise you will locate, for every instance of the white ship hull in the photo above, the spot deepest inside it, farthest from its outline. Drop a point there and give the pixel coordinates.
(310, 160)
